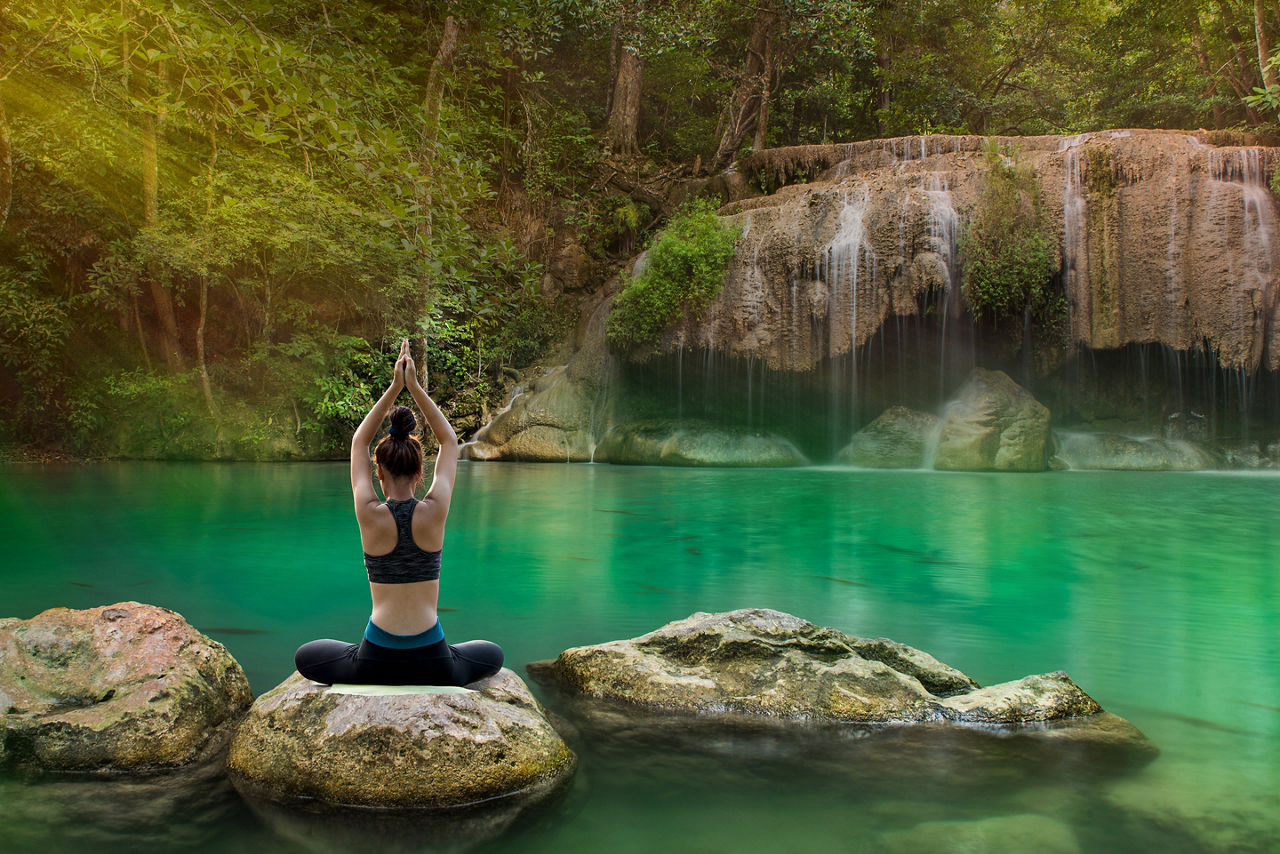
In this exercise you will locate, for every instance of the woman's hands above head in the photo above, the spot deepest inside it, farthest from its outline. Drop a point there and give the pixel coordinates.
(410, 370)
(404, 364)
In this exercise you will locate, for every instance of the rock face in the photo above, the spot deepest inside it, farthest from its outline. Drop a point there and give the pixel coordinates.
(1123, 453)
(306, 742)
(762, 662)
(124, 687)
(561, 415)
(549, 423)
(670, 443)
(1165, 236)
(897, 439)
(993, 425)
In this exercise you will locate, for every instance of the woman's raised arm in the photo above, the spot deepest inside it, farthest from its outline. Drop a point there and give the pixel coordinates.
(361, 478)
(447, 459)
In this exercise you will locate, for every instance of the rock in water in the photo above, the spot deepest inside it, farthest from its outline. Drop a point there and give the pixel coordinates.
(124, 687)
(690, 443)
(895, 440)
(994, 425)
(305, 742)
(758, 662)
(761, 662)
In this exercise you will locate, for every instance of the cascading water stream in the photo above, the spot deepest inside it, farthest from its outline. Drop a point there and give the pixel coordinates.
(944, 236)
(839, 265)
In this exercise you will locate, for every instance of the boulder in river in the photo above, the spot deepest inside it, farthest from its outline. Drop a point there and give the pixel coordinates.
(759, 662)
(690, 443)
(898, 439)
(993, 425)
(1026, 832)
(124, 687)
(399, 748)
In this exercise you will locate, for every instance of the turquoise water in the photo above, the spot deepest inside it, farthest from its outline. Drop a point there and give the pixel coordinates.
(1158, 592)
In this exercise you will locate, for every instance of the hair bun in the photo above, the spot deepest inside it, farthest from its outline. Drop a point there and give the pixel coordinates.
(402, 422)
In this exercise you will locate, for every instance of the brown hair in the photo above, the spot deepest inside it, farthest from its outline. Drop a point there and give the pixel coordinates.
(400, 453)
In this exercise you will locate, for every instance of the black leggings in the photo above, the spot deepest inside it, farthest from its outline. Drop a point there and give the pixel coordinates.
(367, 663)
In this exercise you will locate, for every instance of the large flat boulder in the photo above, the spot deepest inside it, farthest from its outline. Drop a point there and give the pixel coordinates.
(760, 662)
(124, 687)
(399, 748)
(993, 425)
(898, 439)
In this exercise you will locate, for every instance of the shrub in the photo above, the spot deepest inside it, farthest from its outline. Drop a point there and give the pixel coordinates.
(684, 273)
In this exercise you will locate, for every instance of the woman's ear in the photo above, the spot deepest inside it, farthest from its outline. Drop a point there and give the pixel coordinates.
(378, 468)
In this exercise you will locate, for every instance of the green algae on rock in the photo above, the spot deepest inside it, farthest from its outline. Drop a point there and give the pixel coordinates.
(124, 687)
(302, 742)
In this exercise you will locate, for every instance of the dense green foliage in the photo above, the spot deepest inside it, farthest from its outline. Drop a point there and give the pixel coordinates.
(682, 273)
(1009, 253)
(216, 219)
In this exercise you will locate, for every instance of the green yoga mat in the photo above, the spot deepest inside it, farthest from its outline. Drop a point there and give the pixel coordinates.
(393, 690)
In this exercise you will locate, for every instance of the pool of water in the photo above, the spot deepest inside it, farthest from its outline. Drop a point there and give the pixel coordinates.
(1159, 593)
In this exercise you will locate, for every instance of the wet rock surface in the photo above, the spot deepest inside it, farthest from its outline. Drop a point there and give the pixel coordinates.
(689, 443)
(993, 425)
(759, 662)
(898, 439)
(124, 687)
(304, 743)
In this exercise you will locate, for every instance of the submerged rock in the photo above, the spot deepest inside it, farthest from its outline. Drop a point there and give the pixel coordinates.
(688, 443)
(1113, 451)
(1028, 832)
(124, 687)
(994, 425)
(1187, 806)
(303, 742)
(898, 439)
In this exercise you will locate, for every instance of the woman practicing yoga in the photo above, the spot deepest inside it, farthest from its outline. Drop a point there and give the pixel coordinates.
(403, 643)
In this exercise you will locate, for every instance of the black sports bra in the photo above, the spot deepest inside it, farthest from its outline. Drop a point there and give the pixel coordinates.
(406, 562)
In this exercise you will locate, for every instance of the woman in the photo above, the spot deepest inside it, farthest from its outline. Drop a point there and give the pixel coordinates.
(403, 643)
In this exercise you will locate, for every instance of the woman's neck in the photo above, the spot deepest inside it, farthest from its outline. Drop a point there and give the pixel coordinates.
(401, 491)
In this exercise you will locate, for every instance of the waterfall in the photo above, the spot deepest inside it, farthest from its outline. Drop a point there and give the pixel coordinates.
(839, 263)
(944, 235)
(1075, 234)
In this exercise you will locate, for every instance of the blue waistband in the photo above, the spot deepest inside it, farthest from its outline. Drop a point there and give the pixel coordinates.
(373, 634)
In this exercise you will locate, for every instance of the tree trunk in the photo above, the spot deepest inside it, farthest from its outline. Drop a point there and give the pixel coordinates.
(1247, 77)
(204, 373)
(160, 295)
(6, 168)
(747, 97)
(431, 99)
(1206, 68)
(766, 92)
(1269, 79)
(204, 287)
(624, 113)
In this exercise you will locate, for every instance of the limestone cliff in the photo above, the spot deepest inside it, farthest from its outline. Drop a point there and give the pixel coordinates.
(1165, 237)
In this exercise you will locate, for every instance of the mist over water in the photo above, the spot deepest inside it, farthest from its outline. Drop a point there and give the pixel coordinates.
(1157, 592)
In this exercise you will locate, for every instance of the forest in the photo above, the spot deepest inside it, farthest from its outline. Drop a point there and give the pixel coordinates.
(218, 219)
